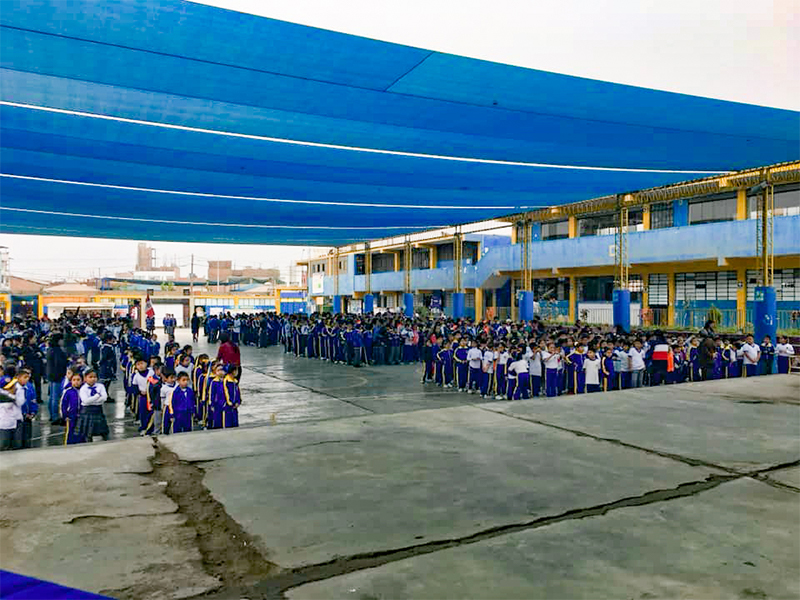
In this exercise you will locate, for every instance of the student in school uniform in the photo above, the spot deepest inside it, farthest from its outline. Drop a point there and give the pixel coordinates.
(182, 406)
(429, 352)
(445, 366)
(91, 420)
(785, 351)
(70, 409)
(475, 360)
(552, 361)
(488, 384)
(216, 398)
(501, 366)
(636, 364)
(511, 375)
(751, 354)
(624, 365)
(767, 356)
(11, 409)
(140, 383)
(461, 365)
(695, 371)
(592, 367)
(168, 385)
(535, 369)
(153, 413)
(575, 374)
(233, 399)
(607, 368)
(521, 370)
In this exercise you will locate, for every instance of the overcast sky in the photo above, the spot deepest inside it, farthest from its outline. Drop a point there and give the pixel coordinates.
(740, 50)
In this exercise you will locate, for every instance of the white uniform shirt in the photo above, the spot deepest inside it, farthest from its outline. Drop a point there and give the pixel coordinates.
(188, 370)
(551, 361)
(141, 380)
(93, 395)
(488, 361)
(11, 412)
(784, 350)
(592, 368)
(166, 395)
(535, 364)
(637, 359)
(474, 357)
(502, 358)
(750, 354)
(517, 367)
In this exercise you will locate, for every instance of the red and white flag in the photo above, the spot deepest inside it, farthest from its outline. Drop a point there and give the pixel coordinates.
(148, 307)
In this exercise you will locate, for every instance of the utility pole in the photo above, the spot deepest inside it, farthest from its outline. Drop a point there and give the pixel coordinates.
(218, 275)
(191, 289)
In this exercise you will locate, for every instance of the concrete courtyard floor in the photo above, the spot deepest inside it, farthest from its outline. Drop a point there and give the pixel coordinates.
(365, 484)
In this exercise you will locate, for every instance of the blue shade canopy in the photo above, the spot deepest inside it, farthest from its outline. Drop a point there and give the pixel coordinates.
(164, 120)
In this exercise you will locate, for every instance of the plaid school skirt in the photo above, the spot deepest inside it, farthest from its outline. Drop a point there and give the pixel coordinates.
(91, 422)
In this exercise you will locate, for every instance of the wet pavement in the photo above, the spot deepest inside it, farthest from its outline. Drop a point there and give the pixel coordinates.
(365, 484)
(279, 388)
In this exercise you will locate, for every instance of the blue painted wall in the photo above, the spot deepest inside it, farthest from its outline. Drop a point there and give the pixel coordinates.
(696, 242)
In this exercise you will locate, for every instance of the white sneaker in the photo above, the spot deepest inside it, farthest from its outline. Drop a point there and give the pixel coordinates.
(499, 397)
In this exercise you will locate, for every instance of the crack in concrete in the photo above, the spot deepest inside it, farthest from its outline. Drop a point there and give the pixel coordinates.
(228, 552)
(80, 518)
(275, 587)
(266, 452)
(252, 576)
(693, 462)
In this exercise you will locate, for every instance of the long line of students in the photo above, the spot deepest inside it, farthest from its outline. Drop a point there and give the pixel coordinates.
(518, 360)
(180, 394)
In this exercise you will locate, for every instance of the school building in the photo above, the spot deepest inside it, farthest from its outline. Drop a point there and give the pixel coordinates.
(688, 249)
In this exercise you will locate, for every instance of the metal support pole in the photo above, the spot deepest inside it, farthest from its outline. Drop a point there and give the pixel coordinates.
(458, 286)
(337, 299)
(407, 266)
(765, 307)
(369, 299)
(621, 296)
(526, 297)
(367, 269)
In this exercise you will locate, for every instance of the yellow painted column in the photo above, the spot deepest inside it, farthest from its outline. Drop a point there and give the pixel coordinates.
(432, 251)
(741, 205)
(646, 217)
(514, 234)
(671, 299)
(573, 297)
(236, 301)
(39, 307)
(572, 225)
(278, 301)
(396, 261)
(478, 304)
(741, 296)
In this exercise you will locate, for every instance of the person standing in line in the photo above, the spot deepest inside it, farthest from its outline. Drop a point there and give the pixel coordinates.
(229, 355)
(767, 355)
(56, 370)
(91, 420)
(751, 354)
(636, 364)
(592, 367)
(195, 324)
(785, 352)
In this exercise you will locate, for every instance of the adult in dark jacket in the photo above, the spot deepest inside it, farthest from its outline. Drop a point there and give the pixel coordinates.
(56, 371)
(705, 354)
(107, 365)
(33, 358)
(228, 353)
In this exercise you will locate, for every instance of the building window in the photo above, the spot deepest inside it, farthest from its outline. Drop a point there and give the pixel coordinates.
(786, 282)
(420, 258)
(361, 267)
(787, 203)
(712, 211)
(658, 288)
(445, 252)
(601, 289)
(710, 285)
(551, 288)
(661, 215)
(606, 224)
(556, 230)
(342, 265)
(382, 262)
